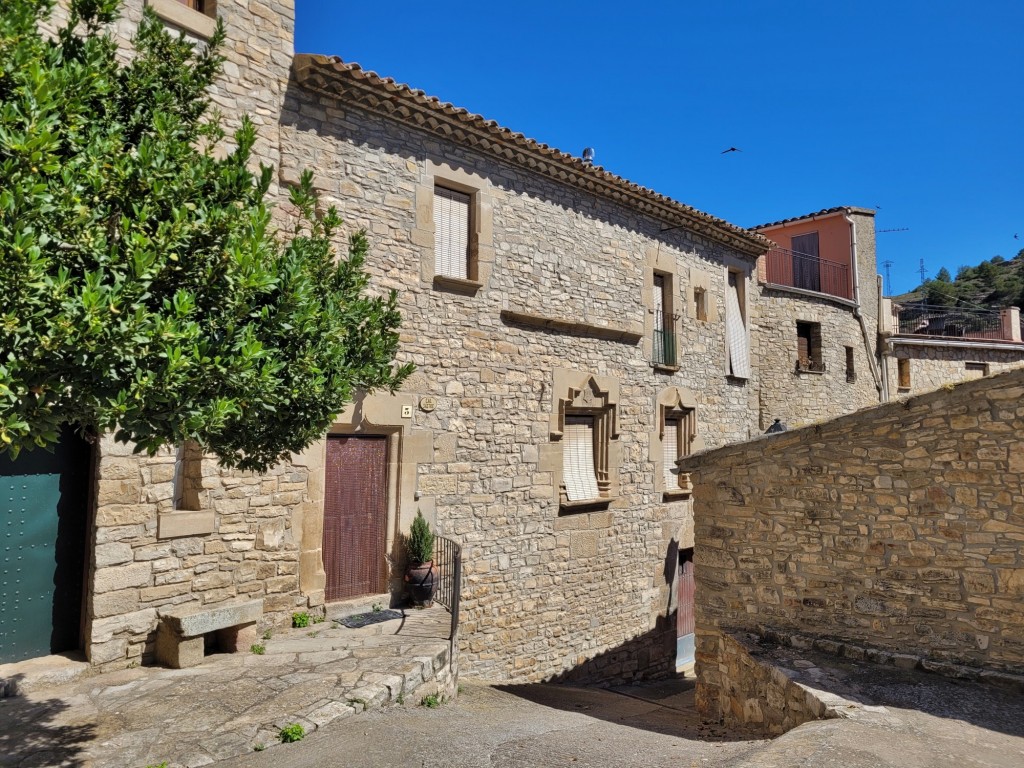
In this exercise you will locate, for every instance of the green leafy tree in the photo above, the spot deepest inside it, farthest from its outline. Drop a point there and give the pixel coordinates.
(146, 291)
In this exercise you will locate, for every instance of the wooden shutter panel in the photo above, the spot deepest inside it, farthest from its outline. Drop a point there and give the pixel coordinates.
(736, 331)
(451, 233)
(803, 344)
(578, 458)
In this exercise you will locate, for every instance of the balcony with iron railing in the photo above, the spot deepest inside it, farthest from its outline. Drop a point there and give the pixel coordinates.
(792, 269)
(950, 322)
(663, 351)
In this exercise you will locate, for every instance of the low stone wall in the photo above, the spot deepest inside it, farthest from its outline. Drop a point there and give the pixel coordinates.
(736, 690)
(937, 365)
(897, 528)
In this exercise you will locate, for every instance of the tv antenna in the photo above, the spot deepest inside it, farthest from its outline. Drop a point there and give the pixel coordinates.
(887, 265)
(894, 229)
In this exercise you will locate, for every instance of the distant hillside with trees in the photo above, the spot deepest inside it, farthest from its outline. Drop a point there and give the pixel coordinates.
(994, 283)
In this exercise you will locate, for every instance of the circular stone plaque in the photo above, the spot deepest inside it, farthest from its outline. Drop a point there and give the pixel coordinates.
(428, 404)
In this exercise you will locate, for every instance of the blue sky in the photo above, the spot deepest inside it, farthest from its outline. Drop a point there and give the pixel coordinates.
(914, 107)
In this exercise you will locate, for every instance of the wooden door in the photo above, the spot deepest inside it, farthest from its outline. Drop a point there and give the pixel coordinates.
(685, 619)
(355, 516)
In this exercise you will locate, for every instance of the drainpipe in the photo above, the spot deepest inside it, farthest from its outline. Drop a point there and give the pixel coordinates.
(856, 300)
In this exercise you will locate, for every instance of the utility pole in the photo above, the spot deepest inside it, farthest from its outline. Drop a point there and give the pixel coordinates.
(887, 265)
(923, 271)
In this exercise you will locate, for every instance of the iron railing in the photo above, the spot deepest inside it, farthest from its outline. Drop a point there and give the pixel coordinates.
(810, 273)
(948, 322)
(664, 349)
(448, 578)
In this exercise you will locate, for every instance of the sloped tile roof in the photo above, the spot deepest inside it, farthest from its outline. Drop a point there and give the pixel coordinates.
(815, 215)
(351, 83)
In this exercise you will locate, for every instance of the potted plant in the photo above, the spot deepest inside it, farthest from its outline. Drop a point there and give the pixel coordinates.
(419, 574)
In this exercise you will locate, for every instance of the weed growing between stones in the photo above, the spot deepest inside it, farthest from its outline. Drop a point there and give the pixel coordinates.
(430, 702)
(300, 620)
(291, 733)
(258, 648)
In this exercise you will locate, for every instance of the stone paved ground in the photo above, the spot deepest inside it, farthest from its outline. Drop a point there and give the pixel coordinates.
(917, 721)
(230, 703)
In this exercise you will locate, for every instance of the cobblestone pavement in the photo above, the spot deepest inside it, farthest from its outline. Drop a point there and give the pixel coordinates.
(230, 704)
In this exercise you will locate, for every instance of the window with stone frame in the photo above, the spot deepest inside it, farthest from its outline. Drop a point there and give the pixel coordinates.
(584, 435)
(207, 7)
(808, 347)
(903, 373)
(678, 433)
(452, 218)
(851, 371)
(674, 436)
(194, 17)
(663, 349)
(188, 477)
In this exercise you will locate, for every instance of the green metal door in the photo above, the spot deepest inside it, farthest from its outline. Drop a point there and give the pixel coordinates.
(43, 505)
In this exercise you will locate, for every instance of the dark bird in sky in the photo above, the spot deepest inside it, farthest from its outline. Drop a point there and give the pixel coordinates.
(730, 149)
(1016, 236)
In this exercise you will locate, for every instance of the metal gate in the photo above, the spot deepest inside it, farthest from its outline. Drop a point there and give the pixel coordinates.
(685, 619)
(44, 501)
(355, 516)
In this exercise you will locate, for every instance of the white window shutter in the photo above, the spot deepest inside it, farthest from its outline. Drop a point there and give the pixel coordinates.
(578, 458)
(451, 233)
(736, 331)
(670, 453)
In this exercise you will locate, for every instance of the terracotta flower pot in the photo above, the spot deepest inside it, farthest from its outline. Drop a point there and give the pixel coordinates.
(420, 578)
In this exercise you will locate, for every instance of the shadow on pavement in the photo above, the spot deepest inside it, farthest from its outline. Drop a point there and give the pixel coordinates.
(664, 707)
(28, 736)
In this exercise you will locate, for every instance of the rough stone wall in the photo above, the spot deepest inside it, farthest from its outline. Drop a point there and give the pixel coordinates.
(542, 593)
(800, 398)
(739, 690)
(897, 528)
(934, 366)
(252, 553)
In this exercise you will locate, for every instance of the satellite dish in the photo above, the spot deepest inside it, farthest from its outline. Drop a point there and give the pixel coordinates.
(588, 155)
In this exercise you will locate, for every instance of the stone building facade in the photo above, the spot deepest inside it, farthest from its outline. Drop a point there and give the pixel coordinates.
(587, 306)
(892, 535)
(817, 317)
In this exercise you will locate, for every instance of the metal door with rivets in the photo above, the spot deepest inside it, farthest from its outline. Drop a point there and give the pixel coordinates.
(43, 507)
(355, 516)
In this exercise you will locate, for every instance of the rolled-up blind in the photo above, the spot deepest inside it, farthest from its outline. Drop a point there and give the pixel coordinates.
(578, 458)
(670, 452)
(736, 331)
(451, 233)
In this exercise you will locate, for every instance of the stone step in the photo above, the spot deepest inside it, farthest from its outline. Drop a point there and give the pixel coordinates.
(22, 677)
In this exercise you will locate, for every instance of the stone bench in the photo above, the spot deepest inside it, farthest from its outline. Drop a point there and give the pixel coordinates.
(180, 638)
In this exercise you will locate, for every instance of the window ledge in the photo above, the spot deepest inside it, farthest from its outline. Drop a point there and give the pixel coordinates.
(677, 494)
(457, 284)
(663, 368)
(173, 525)
(741, 380)
(188, 19)
(808, 370)
(586, 504)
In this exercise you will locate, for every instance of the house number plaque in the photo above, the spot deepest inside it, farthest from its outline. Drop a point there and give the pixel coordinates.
(428, 404)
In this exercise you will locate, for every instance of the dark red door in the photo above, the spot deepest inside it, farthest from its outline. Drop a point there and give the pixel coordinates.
(355, 516)
(685, 620)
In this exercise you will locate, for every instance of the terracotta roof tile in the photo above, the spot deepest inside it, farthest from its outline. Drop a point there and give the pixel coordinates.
(815, 215)
(334, 77)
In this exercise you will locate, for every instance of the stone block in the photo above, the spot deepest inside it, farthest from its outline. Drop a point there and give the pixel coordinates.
(190, 622)
(177, 652)
(236, 639)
